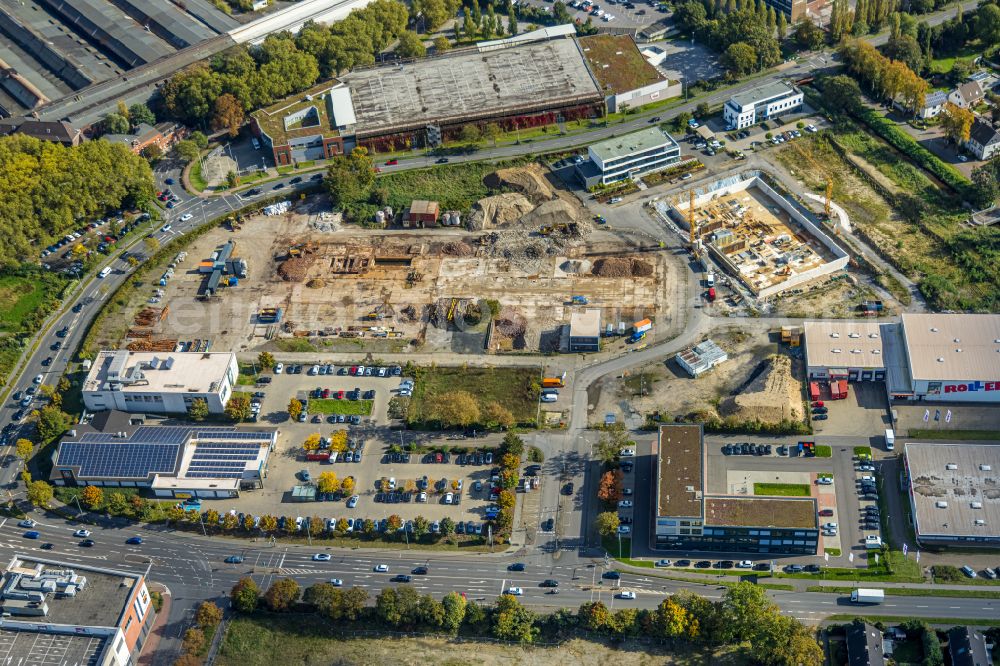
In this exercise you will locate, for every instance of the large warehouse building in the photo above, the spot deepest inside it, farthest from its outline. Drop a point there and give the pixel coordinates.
(954, 492)
(690, 519)
(923, 357)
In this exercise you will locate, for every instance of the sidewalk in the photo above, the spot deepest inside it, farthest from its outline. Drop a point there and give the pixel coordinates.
(156, 634)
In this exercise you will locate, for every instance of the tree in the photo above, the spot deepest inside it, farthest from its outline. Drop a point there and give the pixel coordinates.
(956, 122)
(245, 593)
(988, 23)
(447, 526)
(311, 443)
(194, 640)
(496, 415)
(421, 526)
(338, 441)
(430, 611)
(906, 49)
(115, 123)
(986, 183)
(612, 441)
(512, 445)
(208, 615)
(198, 410)
(294, 408)
(230, 521)
(411, 46)
(232, 179)
(328, 483)
(187, 150)
(690, 17)
(199, 139)
(491, 132)
(454, 612)
(139, 114)
(594, 616)
(441, 44)
(454, 408)
(347, 485)
(739, 59)
(51, 423)
(808, 35)
(265, 360)
(282, 594)
(39, 493)
(609, 489)
(608, 522)
(227, 114)
(238, 408)
(512, 621)
(394, 522)
(842, 92)
(470, 134)
(23, 448)
(152, 244)
(92, 497)
(747, 608)
(341, 525)
(268, 523)
(349, 178)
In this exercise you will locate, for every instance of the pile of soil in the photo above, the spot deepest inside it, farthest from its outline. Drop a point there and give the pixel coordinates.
(557, 211)
(773, 396)
(575, 266)
(529, 180)
(510, 323)
(622, 267)
(498, 210)
(296, 268)
(457, 249)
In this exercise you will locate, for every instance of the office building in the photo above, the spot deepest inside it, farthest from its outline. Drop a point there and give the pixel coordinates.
(162, 383)
(628, 156)
(954, 493)
(55, 612)
(120, 450)
(690, 519)
(626, 78)
(753, 106)
(585, 330)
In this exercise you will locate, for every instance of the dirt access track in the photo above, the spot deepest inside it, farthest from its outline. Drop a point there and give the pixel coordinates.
(345, 288)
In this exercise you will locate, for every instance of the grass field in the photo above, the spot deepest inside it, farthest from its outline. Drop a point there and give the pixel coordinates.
(824, 451)
(863, 451)
(925, 591)
(302, 640)
(294, 345)
(517, 389)
(782, 489)
(992, 435)
(455, 187)
(345, 407)
(19, 297)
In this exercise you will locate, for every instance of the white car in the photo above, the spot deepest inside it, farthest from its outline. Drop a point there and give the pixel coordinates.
(381, 568)
(614, 200)
(830, 526)
(336, 582)
(278, 368)
(83, 534)
(627, 594)
(38, 379)
(744, 564)
(449, 498)
(546, 397)
(405, 393)
(624, 529)
(825, 480)
(27, 522)
(625, 504)
(626, 453)
(186, 216)
(165, 228)
(516, 591)
(321, 557)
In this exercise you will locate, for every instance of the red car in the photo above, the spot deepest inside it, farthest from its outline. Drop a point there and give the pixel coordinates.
(818, 403)
(438, 457)
(392, 163)
(354, 370)
(339, 395)
(326, 393)
(826, 512)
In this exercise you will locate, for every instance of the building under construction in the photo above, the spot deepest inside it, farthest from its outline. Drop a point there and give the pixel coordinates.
(757, 235)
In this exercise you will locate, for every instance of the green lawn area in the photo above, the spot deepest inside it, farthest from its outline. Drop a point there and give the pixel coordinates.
(907, 652)
(247, 377)
(925, 591)
(947, 574)
(294, 345)
(943, 621)
(517, 389)
(194, 175)
(824, 451)
(904, 570)
(863, 451)
(455, 187)
(967, 54)
(956, 434)
(346, 407)
(782, 489)
(834, 552)
(611, 544)
(20, 296)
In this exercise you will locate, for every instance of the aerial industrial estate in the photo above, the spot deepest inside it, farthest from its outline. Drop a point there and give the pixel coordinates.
(483, 320)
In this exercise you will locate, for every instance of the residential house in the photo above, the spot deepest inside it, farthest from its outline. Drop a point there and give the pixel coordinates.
(968, 647)
(163, 136)
(864, 645)
(55, 130)
(984, 140)
(967, 95)
(933, 104)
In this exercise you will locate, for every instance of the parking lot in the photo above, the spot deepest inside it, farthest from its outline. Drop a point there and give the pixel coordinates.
(386, 481)
(625, 14)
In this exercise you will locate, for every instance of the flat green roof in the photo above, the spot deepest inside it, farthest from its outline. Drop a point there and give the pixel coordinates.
(760, 512)
(617, 64)
(636, 142)
(272, 119)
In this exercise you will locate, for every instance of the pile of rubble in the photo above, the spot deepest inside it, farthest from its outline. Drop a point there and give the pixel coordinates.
(457, 249)
(296, 268)
(510, 323)
(622, 267)
(774, 395)
(498, 210)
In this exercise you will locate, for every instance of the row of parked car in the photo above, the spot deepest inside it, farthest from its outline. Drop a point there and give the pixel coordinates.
(746, 449)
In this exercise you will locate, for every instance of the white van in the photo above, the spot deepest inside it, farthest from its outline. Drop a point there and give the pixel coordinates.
(255, 142)
(890, 439)
(105, 272)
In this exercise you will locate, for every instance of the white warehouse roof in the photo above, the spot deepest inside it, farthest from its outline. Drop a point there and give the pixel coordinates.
(952, 346)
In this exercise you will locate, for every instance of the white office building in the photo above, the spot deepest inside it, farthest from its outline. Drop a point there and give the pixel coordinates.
(157, 383)
(629, 156)
(753, 106)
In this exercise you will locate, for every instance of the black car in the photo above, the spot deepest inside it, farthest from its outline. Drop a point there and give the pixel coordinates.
(627, 467)
(18, 415)
(870, 496)
(46, 546)
(811, 568)
(442, 160)
(820, 417)
(254, 192)
(625, 520)
(77, 307)
(279, 186)
(759, 451)
(87, 543)
(727, 450)
(724, 564)
(794, 568)
(549, 582)
(702, 564)
(762, 566)
(746, 449)
(682, 563)
(782, 450)
(517, 566)
(318, 176)
(767, 449)
(872, 525)
(568, 489)
(420, 571)
(295, 181)
(461, 459)
(548, 525)
(611, 575)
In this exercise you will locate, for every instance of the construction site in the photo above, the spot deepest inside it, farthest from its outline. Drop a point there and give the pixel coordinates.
(508, 282)
(756, 236)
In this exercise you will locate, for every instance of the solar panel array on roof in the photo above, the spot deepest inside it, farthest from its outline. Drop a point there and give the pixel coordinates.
(221, 459)
(119, 459)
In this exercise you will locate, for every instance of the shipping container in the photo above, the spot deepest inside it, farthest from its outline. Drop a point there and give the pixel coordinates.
(642, 326)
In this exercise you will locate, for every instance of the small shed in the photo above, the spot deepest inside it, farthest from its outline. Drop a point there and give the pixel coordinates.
(422, 213)
(306, 493)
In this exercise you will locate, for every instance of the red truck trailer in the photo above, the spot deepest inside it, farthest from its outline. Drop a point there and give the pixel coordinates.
(838, 389)
(813, 391)
(321, 455)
